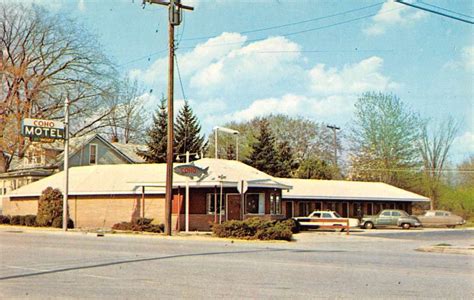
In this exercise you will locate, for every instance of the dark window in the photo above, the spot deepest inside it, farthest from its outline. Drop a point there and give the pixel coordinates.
(254, 204)
(439, 214)
(386, 214)
(92, 154)
(395, 214)
(214, 205)
(327, 216)
(275, 204)
(317, 215)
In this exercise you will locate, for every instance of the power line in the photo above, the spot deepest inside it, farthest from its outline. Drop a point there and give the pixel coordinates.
(179, 76)
(290, 24)
(448, 10)
(434, 12)
(279, 26)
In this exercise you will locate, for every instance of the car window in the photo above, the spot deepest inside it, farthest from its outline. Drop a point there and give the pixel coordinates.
(396, 214)
(337, 215)
(439, 214)
(317, 215)
(447, 214)
(327, 215)
(386, 214)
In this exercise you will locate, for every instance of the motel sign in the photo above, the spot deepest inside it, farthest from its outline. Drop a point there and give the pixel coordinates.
(42, 129)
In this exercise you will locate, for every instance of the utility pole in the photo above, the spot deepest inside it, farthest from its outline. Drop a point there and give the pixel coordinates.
(175, 16)
(334, 130)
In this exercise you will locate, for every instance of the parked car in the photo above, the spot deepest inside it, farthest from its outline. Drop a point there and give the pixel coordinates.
(390, 217)
(441, 218)
(318, 218)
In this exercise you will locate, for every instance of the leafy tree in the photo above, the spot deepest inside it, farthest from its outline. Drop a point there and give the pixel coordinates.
(306, 138)
(230, 154)
(434, 152)
(156, 139)
(315, 168)
(466, 173)
(45, 57)
(384, 140)
(187, 130)
(285, 160)
(264, 156)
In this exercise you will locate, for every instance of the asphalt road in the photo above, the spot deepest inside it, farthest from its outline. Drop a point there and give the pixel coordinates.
(326, 265)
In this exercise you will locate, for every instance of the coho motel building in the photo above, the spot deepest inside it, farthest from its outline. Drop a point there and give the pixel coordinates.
(103, 195)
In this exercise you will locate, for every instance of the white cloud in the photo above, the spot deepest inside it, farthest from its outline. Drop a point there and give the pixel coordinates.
(230, 81)
(357, 78)
(468, 57)
(201, 56)
(463, 146)
(81, 5)
(392, 14)
(249, 65)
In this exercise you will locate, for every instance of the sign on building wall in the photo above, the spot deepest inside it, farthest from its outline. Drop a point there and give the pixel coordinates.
(42, 130)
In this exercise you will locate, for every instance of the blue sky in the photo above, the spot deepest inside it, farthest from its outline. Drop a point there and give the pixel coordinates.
(234, 68)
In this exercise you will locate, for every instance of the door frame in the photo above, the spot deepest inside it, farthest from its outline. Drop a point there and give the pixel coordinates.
(227, 205)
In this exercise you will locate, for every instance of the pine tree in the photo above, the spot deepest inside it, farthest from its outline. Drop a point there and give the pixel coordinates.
(264, 156)
(156, 140)
(286, 161)
(230, 152)
(187, 131)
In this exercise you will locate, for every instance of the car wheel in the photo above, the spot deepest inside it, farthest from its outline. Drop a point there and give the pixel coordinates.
(451, 226)
(406, 226)
(369, 225)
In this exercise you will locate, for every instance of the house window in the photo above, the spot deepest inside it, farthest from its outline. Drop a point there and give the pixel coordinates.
(92, 154)
(275, 204)
(214, 205)
(255, 204)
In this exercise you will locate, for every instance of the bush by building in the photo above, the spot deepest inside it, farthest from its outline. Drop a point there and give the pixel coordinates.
(50, 207)
(255, 228)
(4, 219)
(141, 224)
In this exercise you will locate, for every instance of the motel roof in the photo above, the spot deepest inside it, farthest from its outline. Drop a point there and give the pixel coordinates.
(312, 189)
(130, 178)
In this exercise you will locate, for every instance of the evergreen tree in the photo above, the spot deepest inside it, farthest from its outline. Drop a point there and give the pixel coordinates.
(156, 140)
(187, 131)
(286, 161)
(264, 156)
(230, 153)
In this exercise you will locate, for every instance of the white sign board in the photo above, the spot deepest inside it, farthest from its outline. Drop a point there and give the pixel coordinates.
(42, 129)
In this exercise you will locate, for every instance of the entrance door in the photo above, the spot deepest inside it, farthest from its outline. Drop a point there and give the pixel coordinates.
(233, 207)
(289, 209)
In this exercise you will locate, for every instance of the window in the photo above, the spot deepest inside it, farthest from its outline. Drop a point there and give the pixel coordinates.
(214, 200)
(275, 204)
(327, 216)
(395, 214)
(439, 214)
(386, 214)
(92, 154)
(255, 204)
(317, 215)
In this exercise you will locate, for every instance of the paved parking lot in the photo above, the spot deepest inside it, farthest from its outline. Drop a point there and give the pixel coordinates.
(39, 265)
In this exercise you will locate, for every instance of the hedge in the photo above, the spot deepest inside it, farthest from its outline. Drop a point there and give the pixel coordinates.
(141, 224)
(255, 228)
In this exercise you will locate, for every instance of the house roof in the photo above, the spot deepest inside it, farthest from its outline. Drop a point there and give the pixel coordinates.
(130, 150)
(129, 178)
(310, 189)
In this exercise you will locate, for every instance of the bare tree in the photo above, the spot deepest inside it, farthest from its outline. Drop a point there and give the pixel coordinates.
(44, 58)
(434, 150)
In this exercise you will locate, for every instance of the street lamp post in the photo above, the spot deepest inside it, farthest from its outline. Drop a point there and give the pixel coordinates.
(221, 177)
(226, 130)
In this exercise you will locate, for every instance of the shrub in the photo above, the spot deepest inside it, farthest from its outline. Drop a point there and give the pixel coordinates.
(50, 207)
(4, 219)
(30, 220)
(58, 223)
(15, 220)
(255, 228)
(141, 224)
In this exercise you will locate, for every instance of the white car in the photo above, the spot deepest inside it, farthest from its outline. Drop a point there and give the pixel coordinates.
(325, 218)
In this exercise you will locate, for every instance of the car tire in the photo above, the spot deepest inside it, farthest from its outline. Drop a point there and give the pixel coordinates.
(452, 226)
(406, 225)
(369, 225)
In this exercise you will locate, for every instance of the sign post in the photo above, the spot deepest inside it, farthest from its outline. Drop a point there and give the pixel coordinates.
(66, 164)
